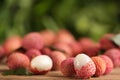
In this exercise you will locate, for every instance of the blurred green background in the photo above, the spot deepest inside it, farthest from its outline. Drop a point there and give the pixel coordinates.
(91, 18)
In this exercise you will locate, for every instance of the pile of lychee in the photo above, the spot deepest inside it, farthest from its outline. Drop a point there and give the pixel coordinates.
(44, 51)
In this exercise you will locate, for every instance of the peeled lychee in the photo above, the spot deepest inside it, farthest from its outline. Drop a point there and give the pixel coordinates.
(11, 44)
(100, 66)
(57, 58)
(106, 42)
(33, 53)
(109, 63)
(41, 64)
(84, 66)
(114, 55)
(33, 40)
(18, 60)
(67, 67)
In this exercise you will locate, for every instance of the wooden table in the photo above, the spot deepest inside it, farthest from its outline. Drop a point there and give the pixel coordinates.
(56, 75)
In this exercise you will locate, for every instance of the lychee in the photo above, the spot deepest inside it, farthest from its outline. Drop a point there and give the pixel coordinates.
(57, 58)
(11, 44)
(48, 37)
(84, 66)
(18, 60)
(67, 67)
(64, 36)
(100, 66)
(33, 40)
(41, 64)
(31, 53)
(114, 55)
(106, 42)
(109, 63)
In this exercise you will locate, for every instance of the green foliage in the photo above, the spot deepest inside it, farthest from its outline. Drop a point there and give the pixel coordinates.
(91, 18)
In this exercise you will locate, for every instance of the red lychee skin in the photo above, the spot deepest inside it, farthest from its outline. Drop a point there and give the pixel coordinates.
(64, 48)
(57, 57)
(2, 53)
(18, 60)
(109, 64)
(33, 40)
(114, 55)
(48, 37)
(92, 50)
(76, 48)
(100, 66)
(33, 53)
(86, 71)
(64, 36)
(67, 67)
(106, 43)
(89, 47)
(11, 44)
(46, 51)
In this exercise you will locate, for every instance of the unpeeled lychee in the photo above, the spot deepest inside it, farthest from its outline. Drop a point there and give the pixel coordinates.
(109, 63)
(64, 36)
(65, 48)
(75, 48)
(84, 66)
(33, 53)
(18, 60)
(106, 42)
(57, 58)
(33, 40)
(100, 66)
(67, 67)
(89, 46)
(48, 37)
(46, 51)
(11, 44)
(114, 55)
(41, 64)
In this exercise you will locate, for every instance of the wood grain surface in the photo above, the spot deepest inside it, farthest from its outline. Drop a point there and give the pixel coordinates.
(56, 75)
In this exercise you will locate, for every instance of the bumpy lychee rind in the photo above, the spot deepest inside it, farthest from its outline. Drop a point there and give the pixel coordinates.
(100, 66)
(67, 67)
(87, 70)
(57, 58)
(84, 66)
(32, 40)
(114, 55)
(18, 60)
(109, 63)
(33, 53)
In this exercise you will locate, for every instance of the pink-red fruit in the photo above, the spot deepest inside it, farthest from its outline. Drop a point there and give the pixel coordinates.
(109, 63)
(33, 53)
(33, 40)
(57, 58)
(114, 54)
(18, 60)
(84, 66)
(100, 66)
(41, 64)
(67, 67)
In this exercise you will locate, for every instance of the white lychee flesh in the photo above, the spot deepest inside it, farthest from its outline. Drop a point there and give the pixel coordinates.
(42, 63)
(81, 60)
(84, 66)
